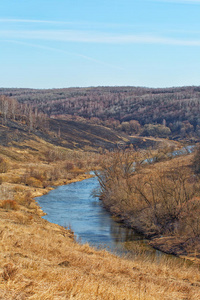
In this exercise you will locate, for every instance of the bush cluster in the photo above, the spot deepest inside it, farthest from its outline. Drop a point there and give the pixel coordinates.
(155, 201)
(9, 205)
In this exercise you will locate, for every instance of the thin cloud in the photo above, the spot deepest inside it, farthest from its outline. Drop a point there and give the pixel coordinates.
(177, 1)
(33, 21)
(81, 23)
(64, 52)
(94, 37)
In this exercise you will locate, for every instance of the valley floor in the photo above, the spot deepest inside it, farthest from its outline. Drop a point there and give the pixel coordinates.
(40, 260)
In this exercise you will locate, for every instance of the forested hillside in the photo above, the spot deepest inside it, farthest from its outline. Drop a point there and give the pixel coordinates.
(21, 122)
(172, 112)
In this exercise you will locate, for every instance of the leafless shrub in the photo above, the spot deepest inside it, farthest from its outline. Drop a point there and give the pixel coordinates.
(36, 173)
(24, 199)
(80, 164)
(31, 181)
(3, 165)
(191, 224)
(196, 161)
(54, 174)
(54, 155)
(6, 192)
(165, 195)
(69, 166)
(9, 271)
(157, 201)
(9, 205)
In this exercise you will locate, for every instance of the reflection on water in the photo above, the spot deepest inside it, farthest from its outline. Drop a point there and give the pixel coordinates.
(73, 205)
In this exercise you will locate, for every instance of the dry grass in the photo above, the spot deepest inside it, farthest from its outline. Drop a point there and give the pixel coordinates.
(9, 204)
(39, 260)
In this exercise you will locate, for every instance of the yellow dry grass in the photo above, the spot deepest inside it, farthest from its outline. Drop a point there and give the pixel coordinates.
(40, 260)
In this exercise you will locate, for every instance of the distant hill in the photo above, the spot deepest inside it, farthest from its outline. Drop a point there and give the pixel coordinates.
(175, 108)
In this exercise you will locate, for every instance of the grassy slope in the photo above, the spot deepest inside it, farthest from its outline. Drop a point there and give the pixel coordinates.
(85, 136)
(40, 260)
(73, 135)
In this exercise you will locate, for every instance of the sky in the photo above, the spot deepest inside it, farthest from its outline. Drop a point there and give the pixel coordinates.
(83, 43)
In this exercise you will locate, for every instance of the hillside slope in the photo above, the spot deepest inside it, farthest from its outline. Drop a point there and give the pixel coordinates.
(177, 108)
(69, 134)
(40, 260)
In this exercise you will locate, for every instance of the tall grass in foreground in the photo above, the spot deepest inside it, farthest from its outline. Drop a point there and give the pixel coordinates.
(40, 260)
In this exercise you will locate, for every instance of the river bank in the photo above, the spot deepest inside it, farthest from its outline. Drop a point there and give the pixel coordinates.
(159, 201)
(177, 246)
(170, 244)
(74, 204)
(37, 192)
(66, 214)
(41, 260)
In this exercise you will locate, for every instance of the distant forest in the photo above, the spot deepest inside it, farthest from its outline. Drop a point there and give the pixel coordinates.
(164, 112)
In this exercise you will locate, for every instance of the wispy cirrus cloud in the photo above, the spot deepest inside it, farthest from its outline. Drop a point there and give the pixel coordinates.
(34, 21)
(80, 24)
(58, 50)
(84, 36)
(177, 1)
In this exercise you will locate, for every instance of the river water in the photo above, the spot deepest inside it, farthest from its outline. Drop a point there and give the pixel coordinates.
(73, 206)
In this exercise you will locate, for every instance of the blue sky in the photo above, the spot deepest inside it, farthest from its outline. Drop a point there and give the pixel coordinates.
(65, 43)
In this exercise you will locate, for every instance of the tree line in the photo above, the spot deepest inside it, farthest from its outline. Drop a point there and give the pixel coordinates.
(178, 109)
(11, 109)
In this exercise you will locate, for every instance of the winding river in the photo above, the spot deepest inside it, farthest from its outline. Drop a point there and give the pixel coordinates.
(73, 206)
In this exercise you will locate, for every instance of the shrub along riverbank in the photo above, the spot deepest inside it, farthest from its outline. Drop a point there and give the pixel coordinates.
(40, 260)
(160, 200)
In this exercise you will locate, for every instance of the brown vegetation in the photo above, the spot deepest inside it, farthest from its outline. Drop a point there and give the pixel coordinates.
(160, 199)
(126, 109)
(40, 260)
(3, 165)
(196, 161)
(9, 204)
